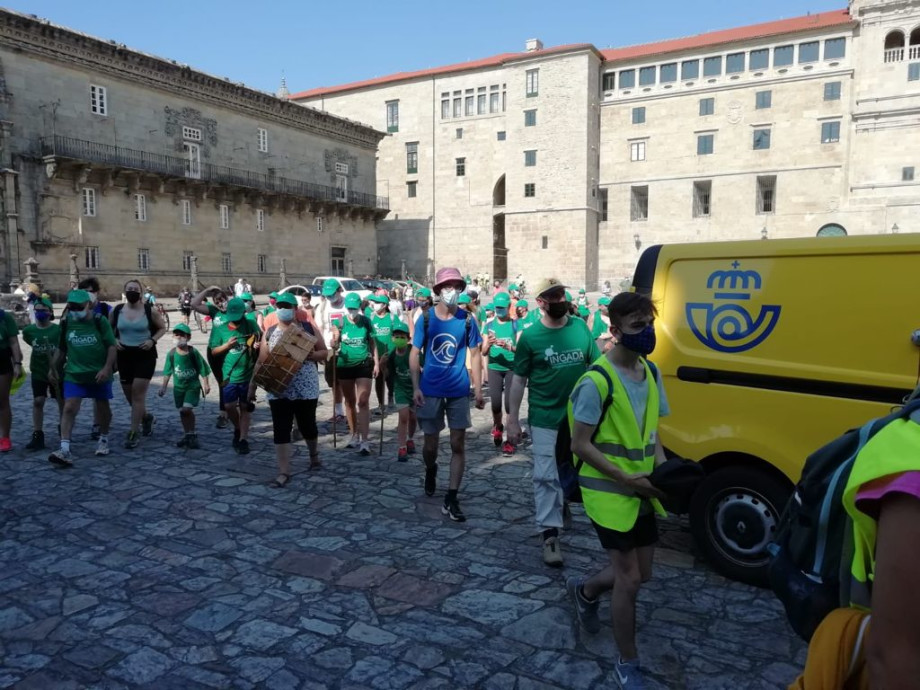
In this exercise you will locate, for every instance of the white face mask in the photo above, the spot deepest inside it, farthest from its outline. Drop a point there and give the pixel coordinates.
(353, 312)
(449, 296)
(382, 307)
(180, 341)
(93, 297)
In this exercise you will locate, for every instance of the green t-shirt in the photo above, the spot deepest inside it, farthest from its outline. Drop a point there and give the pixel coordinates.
(87, 348)
(355, 342)
(383, 329)
(181, 368)
(501, 359)
(268, 310)
(553, 359)
(44, 342)
(8, 329)
(241, 357)
(599, 326)
(219, 331)
(402, 391)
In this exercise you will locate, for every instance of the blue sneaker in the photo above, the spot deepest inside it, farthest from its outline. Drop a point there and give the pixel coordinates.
(628, 676)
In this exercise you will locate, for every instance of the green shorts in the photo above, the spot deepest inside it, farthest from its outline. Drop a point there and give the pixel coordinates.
(190, 397)
(402, 398)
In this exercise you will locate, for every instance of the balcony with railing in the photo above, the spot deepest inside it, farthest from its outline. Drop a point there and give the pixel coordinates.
(190, 168)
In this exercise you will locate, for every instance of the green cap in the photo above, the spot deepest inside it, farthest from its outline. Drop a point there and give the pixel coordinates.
(490, 307)
(522, 304)
(182, 328)
(603, 301)
(380, 299)
(352, 300)
(568, 296)
(584, 311)
(246, 297)
(581, 291)
(288, 298)
(464, 298)
(330, 287)
(273, 295)
(78, 296)
(423, 292)
(400, 327)
(513, 286)
(236, 309)
(502, 299)
(47, 302)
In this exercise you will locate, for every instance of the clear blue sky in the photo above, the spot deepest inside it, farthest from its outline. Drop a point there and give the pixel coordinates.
(333, 42)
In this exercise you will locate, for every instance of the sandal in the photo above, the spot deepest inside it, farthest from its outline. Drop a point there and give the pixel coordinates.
(315, 463)
(280, 481)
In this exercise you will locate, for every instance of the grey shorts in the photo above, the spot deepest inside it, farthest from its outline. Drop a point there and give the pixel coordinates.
(431, 415)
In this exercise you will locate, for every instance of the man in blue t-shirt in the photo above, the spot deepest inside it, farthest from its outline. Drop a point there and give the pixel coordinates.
(442, 387)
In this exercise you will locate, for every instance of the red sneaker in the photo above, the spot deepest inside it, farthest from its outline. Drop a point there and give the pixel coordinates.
(5, 444)
(497, 435)
(403, 455)
(410, 446)
(508, 449)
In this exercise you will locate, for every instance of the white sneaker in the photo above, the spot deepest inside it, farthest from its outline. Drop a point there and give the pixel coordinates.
(355, 442)
(365, 448)
(102, 448)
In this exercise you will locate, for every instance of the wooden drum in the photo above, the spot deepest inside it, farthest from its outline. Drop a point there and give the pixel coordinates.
(285, 360)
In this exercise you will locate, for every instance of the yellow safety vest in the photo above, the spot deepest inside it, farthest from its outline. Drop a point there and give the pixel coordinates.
(894, 449)
(607, 502)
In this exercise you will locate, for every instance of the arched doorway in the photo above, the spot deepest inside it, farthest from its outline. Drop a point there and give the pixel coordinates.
(832, 230)
(499, 248)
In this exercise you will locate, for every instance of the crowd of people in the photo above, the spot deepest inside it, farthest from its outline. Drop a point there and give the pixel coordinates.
(428, 355)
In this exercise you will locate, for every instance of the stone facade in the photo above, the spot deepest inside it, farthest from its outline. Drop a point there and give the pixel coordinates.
(833, 128)
(135, 164)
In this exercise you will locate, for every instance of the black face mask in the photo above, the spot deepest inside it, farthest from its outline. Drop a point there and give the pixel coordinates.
(556, 310)
(133, 296)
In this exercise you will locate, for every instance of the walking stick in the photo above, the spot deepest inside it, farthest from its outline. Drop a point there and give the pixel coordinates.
(334, 413)
(383, 414)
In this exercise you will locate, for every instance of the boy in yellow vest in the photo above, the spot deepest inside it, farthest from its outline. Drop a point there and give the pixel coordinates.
(618, 447)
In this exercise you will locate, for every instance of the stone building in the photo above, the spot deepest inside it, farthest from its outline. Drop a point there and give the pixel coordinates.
(572, 160)
(120, 164)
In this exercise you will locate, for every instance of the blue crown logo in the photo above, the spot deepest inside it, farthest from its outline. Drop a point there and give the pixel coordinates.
(731, 327)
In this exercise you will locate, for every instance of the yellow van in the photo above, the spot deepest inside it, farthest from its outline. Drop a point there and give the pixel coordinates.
(768, 350)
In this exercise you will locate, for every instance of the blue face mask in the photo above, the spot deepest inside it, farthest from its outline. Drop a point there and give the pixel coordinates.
(285, 314)
(43, 316)
(642, 343)
(78, 315)
(501, 311)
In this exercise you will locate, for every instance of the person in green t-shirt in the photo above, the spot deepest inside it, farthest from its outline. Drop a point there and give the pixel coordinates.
(43, 337)
(251, 312)
(403, 391)
(551, 356)
(499, 341)
(10, 369)
(383, 322)
(600, 325)
(357, 365)
(239, 347)
(526, 318)
(87, 351)
(270, 309)
(217, 312)
(191, 373)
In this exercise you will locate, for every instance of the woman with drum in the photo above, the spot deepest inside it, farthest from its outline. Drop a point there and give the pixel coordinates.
(298, 401)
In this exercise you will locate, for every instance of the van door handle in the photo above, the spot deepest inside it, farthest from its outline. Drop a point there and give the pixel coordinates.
(694, 374)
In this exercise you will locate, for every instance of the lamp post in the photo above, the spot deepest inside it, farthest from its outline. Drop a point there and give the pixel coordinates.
(637, 241)
(763, 233)
(894, 229)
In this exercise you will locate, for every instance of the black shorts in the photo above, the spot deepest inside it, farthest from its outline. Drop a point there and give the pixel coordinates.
(643, 533)
(364, 370)
(135, 363)
(6, 361)
(43, 389)
(186, 311)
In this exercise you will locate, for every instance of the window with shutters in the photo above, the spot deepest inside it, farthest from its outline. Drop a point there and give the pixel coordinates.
(412, 157)
(186, 212)
(98, 100)
(143, 260)
(140, 208)
(702, 195)
(88, 197)
(638, 206)
(766, 194)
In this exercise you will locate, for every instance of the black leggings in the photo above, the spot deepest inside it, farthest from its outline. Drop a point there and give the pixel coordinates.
(497, 381)
(216, 362)
(285, 411)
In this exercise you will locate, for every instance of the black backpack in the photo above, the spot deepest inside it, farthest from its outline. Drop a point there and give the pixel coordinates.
(810, 556)
(566, 465)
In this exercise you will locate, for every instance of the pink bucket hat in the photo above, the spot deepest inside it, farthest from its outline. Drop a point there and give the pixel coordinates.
(447, 275)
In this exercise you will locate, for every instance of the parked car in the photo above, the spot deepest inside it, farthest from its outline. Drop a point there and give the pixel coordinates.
(347, 285)
(377, 284)
(300, 290)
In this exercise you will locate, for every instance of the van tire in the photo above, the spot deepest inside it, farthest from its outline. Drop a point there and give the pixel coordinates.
(734, 514)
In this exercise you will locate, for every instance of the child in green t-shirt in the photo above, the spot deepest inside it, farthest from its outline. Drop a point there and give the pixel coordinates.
(43, 337)
(402, 385)
(191, 371)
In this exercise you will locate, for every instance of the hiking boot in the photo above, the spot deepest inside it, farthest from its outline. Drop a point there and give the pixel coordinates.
(147, 422)
(402, 455)
(236, 438)
(182, 442)
(37, 442)
(508, 449)
(628, 676)
(132, 440)
(221, 422)
(94, 434)
(452, 510)
(410, 447)
(5, 444)
(585, 610)
(191, 442)
(497, 432)
(61, 458)
(431, 476)
(378, 412)
(243, 447)
(552, 553)
(365, 448)
(566, 516)
(102, 446)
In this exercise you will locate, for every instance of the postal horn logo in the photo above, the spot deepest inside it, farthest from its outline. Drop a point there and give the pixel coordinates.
(727, 323)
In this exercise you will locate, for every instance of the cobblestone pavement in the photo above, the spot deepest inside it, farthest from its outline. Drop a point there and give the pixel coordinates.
(162, 568)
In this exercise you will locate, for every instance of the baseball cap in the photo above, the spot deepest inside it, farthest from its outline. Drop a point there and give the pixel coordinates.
(464, 298)
(423, 292)
(286, 298)
(182, 328)
(513, 286)
(273, 295)
(236, 309)
(581, 291)
(352, 300)
(382, 299)
(447, 275)
(490, 307)
(246, 296)
(400, 328)
(330, 287)
(546, 285)
(77, 296)
(522, 304)
(47, 302)
(502, 299)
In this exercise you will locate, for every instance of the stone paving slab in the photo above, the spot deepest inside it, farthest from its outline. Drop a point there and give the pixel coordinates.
(163, 568)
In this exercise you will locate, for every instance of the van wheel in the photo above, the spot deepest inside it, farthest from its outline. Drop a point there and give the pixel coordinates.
(734, 515)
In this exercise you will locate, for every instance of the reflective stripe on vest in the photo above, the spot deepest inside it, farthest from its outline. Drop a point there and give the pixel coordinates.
(893, 450)
(607, 502)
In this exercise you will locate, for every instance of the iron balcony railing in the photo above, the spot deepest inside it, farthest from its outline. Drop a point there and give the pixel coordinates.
(176, 166)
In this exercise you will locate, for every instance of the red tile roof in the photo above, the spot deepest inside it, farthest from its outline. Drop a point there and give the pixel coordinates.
(809, 22)
(493, 61)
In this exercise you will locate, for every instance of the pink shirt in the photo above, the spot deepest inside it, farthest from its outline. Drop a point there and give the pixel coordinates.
(869, 496)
